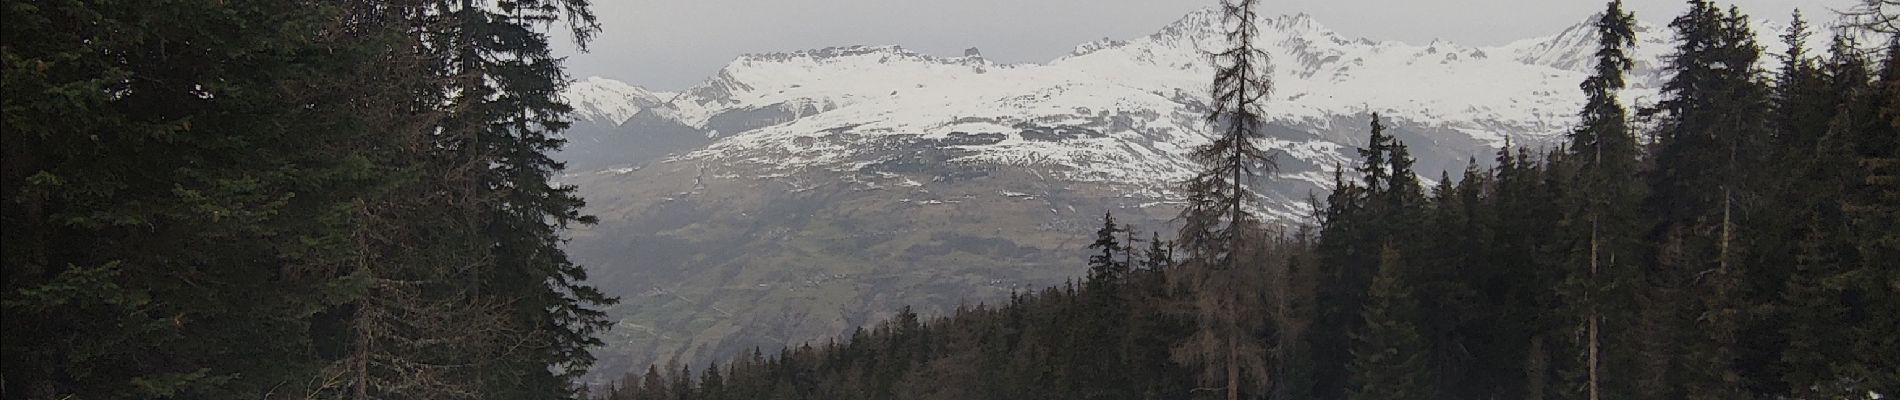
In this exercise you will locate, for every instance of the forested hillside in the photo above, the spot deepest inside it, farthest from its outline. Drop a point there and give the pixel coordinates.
(288, 199)
(1734, 241)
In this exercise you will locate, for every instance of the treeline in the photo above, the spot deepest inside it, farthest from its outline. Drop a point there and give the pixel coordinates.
(1737, 240)
(288, 199)
(1108, 336)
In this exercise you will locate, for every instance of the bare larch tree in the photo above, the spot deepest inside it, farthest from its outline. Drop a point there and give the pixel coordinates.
(1221, 277)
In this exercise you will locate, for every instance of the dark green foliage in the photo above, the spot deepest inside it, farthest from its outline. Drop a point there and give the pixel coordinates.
(1098, 358)
(1386, 208)
(1865, 282)
(1346, 253)
(505, 119)
(1601, 245)
(175, 215)
(712, 386)
(1058, 343)
(271, 199)
(1388, 354)
(1108, 268)
(1160, 254)
(1712, 134)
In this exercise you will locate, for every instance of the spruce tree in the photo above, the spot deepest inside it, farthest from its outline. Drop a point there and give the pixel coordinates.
(1107, 268)
(1097, 344)
(1707, 179)
(712, 385)
(1803, 104)
(1160, 253)
(1873, 209)
(469, 293)
(1800, 96)
(181, 193)
(504, 117)
(1828, 287)
(1389, 352)
(1374, 168)
(1406, 194)
(1351, 236)
(1603, 248)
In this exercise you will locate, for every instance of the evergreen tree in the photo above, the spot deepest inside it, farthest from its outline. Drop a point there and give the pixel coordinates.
(1386, 207)
(1350, 236)
(712, 385)
(1097, 347)
(1800, 95)
(269, 210)
(1405, 196)
(1451, 315)
(497, 121)
(652, 385)
(1823, 292)
(1706, 179)
(1873, 210)
(1160, 254)
(181, 191)
(1802, 105)
(476, 298)
(1109, 266)
(1388, 355)
(1374, 169)
(682, 387)
(1604, 248)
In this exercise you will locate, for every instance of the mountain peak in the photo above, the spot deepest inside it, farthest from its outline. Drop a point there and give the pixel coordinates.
(1210, 22)
(1298, 21)
(1094, 45)
(883, 54)
(607, 101)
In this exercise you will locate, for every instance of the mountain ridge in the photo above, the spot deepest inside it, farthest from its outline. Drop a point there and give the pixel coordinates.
(797, 195)
(1558, 50)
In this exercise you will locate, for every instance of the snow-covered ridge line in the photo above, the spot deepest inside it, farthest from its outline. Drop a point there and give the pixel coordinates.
(610, 102)
(605, 100)
(1127, 110)
(970, 56)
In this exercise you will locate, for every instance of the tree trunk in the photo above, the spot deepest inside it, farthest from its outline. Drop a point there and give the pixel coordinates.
(1726, 230)
(1233, 371)
(1595, 246)
(362, 355)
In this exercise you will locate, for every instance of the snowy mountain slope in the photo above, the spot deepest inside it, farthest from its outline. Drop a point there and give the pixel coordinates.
(804, 193)
(616, 123)
(798, 109)
(610, 102)
(1574, 50)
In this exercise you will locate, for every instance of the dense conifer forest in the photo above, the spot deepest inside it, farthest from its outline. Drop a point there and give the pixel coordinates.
(354, 199)
(289, 199)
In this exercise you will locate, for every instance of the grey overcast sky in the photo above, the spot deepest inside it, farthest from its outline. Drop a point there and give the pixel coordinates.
(672, 44)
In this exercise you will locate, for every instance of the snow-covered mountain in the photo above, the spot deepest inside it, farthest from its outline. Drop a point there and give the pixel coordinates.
(617, 123)
(839, 183)
(610, 102)
(1126, 111)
